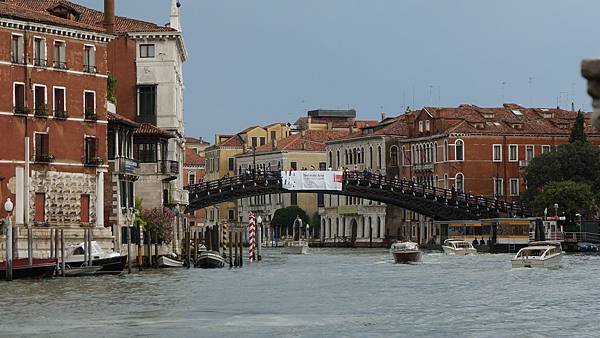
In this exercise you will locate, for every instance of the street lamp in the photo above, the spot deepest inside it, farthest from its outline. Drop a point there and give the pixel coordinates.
(307, 231)
(8, 207)
(578, 215)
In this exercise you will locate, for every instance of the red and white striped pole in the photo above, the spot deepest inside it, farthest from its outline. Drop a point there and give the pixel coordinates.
(251, 236)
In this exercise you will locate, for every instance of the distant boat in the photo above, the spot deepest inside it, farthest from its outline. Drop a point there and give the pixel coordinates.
(210, 260)
(544, 254)
(112, 263)
(406, 252)
(21, 269)
(585, 247)
(169, 262)
(295, 247)
(458, 247)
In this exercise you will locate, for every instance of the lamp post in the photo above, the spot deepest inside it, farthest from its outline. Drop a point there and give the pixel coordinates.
(580, 226)
(259, 238)
(307, 231)
(8, 207)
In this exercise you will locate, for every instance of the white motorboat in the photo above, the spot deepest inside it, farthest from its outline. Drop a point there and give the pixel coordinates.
(111, 262)
(81, 271)
(169, 262)
(210, 260)
(545, 254)
(295, 247)
(406, 252)
(458, 247)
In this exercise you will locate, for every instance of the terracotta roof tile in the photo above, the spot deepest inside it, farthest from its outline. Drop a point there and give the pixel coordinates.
(146, 129)
(116, 118)
(13, 9)
(309, 140)
(191, 158)
(91, 17)
(234, 141)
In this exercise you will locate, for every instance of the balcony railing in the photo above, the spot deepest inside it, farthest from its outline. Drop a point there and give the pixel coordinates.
(169, 167)
(60, 65)
(90, 114)
(93, 161)
(61, 114)
(126, 165)
(89, 69)
(21, 110)
(41, 111)
(20, 60)
(44, 158)
(40, 62)
(523, 163)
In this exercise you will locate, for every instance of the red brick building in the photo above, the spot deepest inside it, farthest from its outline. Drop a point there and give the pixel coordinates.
(53, 118)
(194, 166)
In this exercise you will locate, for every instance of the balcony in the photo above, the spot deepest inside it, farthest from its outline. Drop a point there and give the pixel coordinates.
(41, 111)
(44, 158)
(93, 161)
(424, 166)
(523, 163)
(168, 167)
(126, 165)
(60, 65)
(90, 114)
(179, 197)
(18, 59)
(61, 114)
(90, 69)
(21, 110)
(40, 62)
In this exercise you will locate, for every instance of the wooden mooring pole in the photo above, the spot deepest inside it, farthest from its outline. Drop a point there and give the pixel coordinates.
(62, 252)
(230, 253)
(30, 245)
(129, 250)
(241, 249)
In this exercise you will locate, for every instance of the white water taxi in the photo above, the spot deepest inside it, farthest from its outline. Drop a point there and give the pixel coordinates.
(295, 247)
(546, 254)
(406, 252)
(458, 247)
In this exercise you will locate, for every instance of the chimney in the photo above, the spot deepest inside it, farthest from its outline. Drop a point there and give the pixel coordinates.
(109, 15)
(175, 23)
(382, 116)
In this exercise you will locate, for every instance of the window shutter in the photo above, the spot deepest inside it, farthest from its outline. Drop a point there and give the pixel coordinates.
(21, 51)
(92, 57)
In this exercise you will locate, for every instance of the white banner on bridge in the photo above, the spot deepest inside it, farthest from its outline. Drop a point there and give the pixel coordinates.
(312, 180)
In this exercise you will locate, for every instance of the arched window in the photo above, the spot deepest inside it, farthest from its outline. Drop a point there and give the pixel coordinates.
(346, 155)
(377, 229)
(337, 158)
(337, 227)
(354, 156)
(459, 150)
(427, 153)
(362, 155)
(446, 150)
(394, 156)
(330, 158)
(460, 182)
(370, 157)
(435, 147)
(413, 154)
(445, 181)
(402, 162)
(370, 228)
(328, 228)
(379, 160)
(435, 181)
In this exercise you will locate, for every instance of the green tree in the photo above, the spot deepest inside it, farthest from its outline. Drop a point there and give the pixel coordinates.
(578, 162)
(284, 218)
(111, 84)
(571, 197)
(578, 132)
(315, 224)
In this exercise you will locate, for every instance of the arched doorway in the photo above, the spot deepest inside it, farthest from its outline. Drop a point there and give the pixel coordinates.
(354, 228)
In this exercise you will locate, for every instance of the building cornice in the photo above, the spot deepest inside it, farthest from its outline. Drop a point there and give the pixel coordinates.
(178, 36)
(72, 33)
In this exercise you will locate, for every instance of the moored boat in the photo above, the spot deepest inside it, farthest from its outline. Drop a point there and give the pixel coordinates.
(21, 269)
(169, 262)
(299, 247)
(458, 247)
(209, 260)
(81, 271)
(585, 247)
(112, 263)
(545, 254)
(406, 252)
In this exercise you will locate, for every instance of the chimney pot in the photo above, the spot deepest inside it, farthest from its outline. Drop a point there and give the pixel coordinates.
(109, 15)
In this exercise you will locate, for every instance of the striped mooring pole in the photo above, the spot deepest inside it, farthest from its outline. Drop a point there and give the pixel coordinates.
(251, 236)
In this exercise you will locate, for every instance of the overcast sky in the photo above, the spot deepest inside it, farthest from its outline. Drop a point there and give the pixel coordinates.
(257, 62)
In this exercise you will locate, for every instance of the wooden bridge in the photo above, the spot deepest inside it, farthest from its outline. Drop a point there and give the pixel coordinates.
(437, 203)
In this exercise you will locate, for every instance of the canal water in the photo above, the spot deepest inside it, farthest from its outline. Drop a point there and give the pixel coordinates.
(331, 292)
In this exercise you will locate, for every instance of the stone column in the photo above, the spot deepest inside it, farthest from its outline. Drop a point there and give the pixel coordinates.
(590, 69)
(100, 199)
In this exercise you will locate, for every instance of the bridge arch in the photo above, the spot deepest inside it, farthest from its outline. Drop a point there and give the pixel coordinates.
(436, 203)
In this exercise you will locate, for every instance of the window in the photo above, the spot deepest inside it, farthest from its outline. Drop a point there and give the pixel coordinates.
(19, 98)
(147, 51)
(60, 104)
(85, 208)
(330, 159)
(394, 156)
(254, 141)
(17, 50)
(89, 59)
(230, 214)
(498, 186)
(231, 164)
(273, 135)
(420, 126)
(379, 161)
(513, 153)
(40, 100)
(446, 150)
(146, 153)
(294, 165)
(40, 207)
(60, 55)
(39, 52)
(89, 104)
(337, 158)
(497, 153)
(262, 141)
(460, 184)
(459, 150)
(192, 178)
(514, 187)
(42, 147)
(545, 149)
(147, 100)
(90, 150)
(427, 125)
(529, 153)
